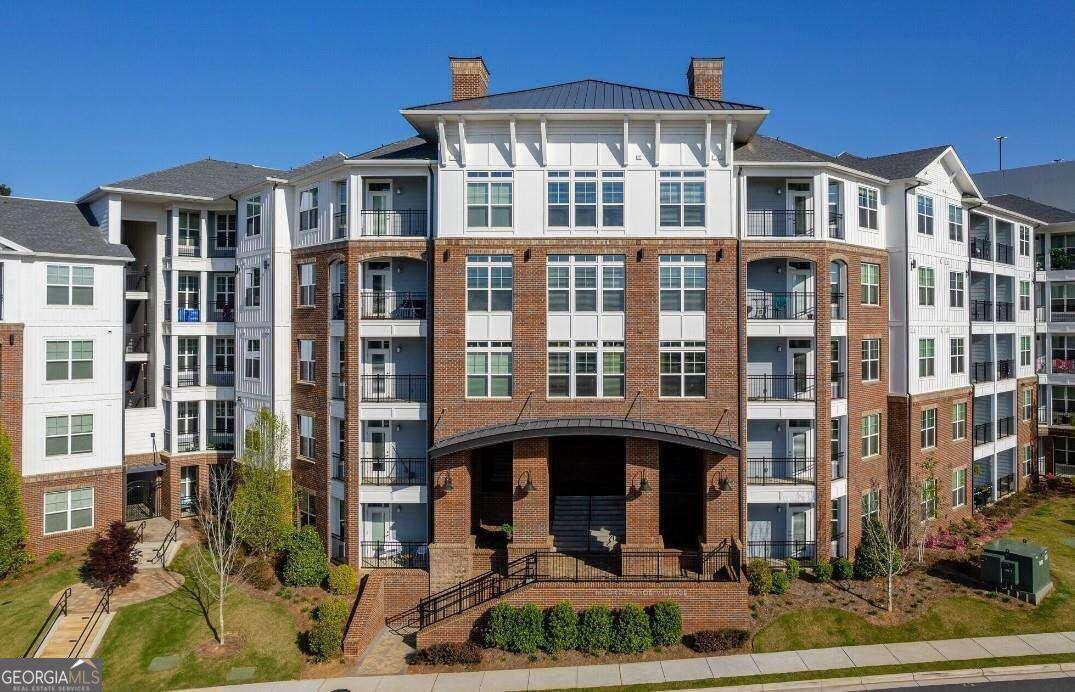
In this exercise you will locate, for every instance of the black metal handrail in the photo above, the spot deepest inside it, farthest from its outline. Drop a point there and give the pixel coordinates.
(1005, 369)
(393, 388)
(780, 223)
(189, 250)
(99, 611)
(780, 387)
(221, 379)
(1004, 253)
(57, 610)
(398, 222)
(981, 310)
(186, 378)
(222, 313)
(161, 553)
(803, 551)
(983, 433)
(981, 248)
(396, 471)
(982, 371)
(187, 443)
(782, 305)
(781, 471)
(220, 440)
(393, 305)
(838, 385)
(1005, 313)
(382, 554)
(1005, 427)
(338, 305)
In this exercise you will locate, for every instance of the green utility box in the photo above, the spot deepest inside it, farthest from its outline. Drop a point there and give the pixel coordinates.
(1018, 568)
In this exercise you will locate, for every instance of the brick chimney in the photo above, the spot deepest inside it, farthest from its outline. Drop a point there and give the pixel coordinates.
(705, 78)
(470, 77)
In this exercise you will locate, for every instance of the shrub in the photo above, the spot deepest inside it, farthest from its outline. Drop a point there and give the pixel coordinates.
(843, 569)
(718, 641)
(595, 629)
(326, 635)
(13, 531)
(528, 634)
(874, 551)
(306, 563)
(760, 576)
(499, 626)
(793, 568)
(630, 631)
(823, 571)
(666, 623)
(54, 557)
(561, 628)
(261, 575)
(342, 580)
(466, 653)
(780, 583)
(112, 559)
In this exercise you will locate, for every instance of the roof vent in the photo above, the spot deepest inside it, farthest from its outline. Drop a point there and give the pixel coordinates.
(470, 77)
(705, 78)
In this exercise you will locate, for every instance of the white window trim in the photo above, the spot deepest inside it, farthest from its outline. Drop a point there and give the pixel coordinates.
(92, 508)
(487, 263)
(678, 175)
(876, 208)
(487, 348)
(683, 347)
(599, 176)
(487, 178)
(599, 349)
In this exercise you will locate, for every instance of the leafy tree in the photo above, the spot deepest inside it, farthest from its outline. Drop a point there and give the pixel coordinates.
(262, 512)
(13, 530)
(5, 191)
(112, 559)
(883, 550)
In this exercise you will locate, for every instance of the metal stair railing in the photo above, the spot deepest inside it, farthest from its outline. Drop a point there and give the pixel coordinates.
(57, 610)
(161, 553)
(99, 611)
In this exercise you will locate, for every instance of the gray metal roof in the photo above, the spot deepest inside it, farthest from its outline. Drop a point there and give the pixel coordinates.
(63, 228)
(410, 148)
(587, 94)
(904, 164)
(560, 427)
(1028, 207)
(206, 178)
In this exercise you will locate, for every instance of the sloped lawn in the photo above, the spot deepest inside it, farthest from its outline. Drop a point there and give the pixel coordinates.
(24, 603)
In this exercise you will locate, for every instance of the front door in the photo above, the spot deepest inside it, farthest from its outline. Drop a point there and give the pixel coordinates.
(798, 533)
(378, 380)
(799, 445)
(377, 451)
(379, 206)
(801, 367)
(799, 278)
(378, 274)
(378, 524)
(800, 208)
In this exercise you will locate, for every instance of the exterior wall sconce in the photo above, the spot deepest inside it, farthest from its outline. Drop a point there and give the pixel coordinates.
(720, 254)
(528, 487)
(526, 255)
(721, 484)
(643, 484)
(447, 255)
(445, 482)
(639, 255)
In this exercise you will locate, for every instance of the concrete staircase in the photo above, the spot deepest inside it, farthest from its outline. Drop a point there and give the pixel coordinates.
(159, 531)
(584, 523)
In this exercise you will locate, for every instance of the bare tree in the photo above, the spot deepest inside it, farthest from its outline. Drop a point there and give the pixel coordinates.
(218, 567)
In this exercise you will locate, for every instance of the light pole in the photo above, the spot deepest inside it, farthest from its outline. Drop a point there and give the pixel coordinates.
(1000, 151)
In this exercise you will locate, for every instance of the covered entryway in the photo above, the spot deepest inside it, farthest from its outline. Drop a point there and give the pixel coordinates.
(142, 493)
(586, 482)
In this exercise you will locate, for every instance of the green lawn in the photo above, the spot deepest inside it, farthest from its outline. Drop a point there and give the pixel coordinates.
(24, 604)
(954, 617)
(175, 624)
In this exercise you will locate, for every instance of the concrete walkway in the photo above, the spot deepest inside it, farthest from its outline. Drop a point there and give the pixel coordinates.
(836, 658)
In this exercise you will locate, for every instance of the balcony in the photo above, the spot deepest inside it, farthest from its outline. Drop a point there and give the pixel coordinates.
(338, 305)
(780, 387)
(137, 400)
(188, 315)
(981, 310)
(1005, 313)
(221, 379)
(838, 385)
(777, 551)
(399, 471)
(982, 371)
(222, 313)
(393, 305)
(220, 440)
(136, 280)
(1005, 369)
(785, 305)
(337, 386)
(780, 223)
(339, 466)
(839, 466)
(983, 433)
(836, 225)
(393, 388)
(187, 443)
(187, 378)
(981, 248)
(1005, 427)
(780, 471)
(136, 343)
(189, 250)
(1004, 253)
(385, 554)
(400, 223)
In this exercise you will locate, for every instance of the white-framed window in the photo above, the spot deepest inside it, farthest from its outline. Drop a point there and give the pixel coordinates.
(68, 434)
(955, 222)
(252, 289)
(682, 199)
(586, 369)
(187, 291)
(190, 231)
(68, 510)
(188, 488)
(187, 359)
(1027, 458)
(307, 279)
(871, 360)
(307, 507)
(306, 435)
(925, 215)
(927, 357)
(871, 505)
(489, 199)
(959, 420)
(957, 355)
(225, 230)
(927, 285)
(927, 500)
(586, 283)
(956, 289)
(612, 199)
(1024, 351)
(252, 360)
(1028, 403)
(307, 369)
(867, 205)
(68, 285)
(959, 487)
(68, 360)
(224, 416)
(489, 369)
(683, 368)
(340, 225)
(927, 429)
(1024, 241)
(308, 216)
(186, 413)
(1024, 295)
(871, 435)
(253, 216)
(683, 283)
(585, 199)
(224, 290)
(870, 281)
(489, 283)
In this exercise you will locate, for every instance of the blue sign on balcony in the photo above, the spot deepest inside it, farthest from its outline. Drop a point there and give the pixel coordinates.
(190, 315)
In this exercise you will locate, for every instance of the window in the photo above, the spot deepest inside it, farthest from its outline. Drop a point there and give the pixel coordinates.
(927, 500)
(224, 290)
(307, 504)
(928, 429)
(682, 283)
(223, 355)
(252, 296)
(926, 353)
(959, 420)
(926, 286)
(834, 205)
(67, 510)
(682, 368)
(572, 199)
(1024, 241)
(955, 222)
(306, 360)
(834, 521)
(252, 360)
(870, 279)
(871, 435)
(959, 488)
(956, 289)
(187, 290)
(308, 216)
(187, 417)
(68, 435)
(574, 280)
(871, 360)
(489, 199)
(871, 505)
(187, 360)
(925, 215)
(489, 368)
(1028, 403)
(489, 283)
(306, 436)
(1024, 295)
(612, 199)
(957, 358)
(68, 360)
(253, 216)
(224, 417)
(682, 199)
(66, 285)
(307, 274)
(190, 231)
(586, 369)
(1028, 458)
(225, 231)
(868, 208)
(340, 225)
(1024, 351)
(188, 489)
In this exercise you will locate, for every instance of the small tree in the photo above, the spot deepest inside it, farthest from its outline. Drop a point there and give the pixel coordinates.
(883, 550)
(263, 511)
(5, 191)
(13, 530)
(112, 559)
(217, 567)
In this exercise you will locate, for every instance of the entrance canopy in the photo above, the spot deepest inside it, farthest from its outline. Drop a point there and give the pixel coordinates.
(562, 427)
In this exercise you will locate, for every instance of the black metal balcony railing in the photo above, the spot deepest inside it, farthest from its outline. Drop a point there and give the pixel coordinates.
(393, 305)
(981, 248)
(186, 378)
(222, 313)
(1005, 369)
(399, 471)
(788, 305)
(1059, 311)
(339, 225)
(339, 466)
(1005, 427)
(393, 388)
(137, 400)
(838, 385)
(410, 223)
(983, 433)
(221, 440)
(337, 305)
(137, 343)
(803, 551)
(982, 371)
(981, 310)
(780, 471)
(337, 386)
(221, 379)
(1004, 253)
(780, 223)
(838, 305)
(1039, 262)
(136, 279)
(780, 387)
(983, 495)
(187, 443)
(189, 250)
(1062, 418)
(375, 554)
(1005, 313)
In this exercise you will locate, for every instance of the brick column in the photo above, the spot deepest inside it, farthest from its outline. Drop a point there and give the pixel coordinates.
(643, 508)
(721, 507)
(530, 510)
(453, 543)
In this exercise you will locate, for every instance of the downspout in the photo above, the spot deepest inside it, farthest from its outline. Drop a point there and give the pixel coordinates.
(431, 312)
(907, 208)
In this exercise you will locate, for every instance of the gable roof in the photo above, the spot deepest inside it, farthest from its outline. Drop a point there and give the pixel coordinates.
(764, 149)
(207, 178)
(63, 228)
(903, 164)
(409, 148)
(587, 94)
(1031, 208)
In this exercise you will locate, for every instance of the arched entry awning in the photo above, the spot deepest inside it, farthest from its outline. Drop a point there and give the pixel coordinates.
(562, 427)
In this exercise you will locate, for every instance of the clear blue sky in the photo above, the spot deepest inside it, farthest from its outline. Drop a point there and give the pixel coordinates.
(94, 95)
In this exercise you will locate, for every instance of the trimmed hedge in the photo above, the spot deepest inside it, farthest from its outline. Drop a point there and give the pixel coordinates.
(326, 635)
(793, 568)
(499, 625)
(528, 633)
(843, 569)
(595, 629)
(823, 571)
(466, 653)
(760, 576)
(561, 628)
(666, 623)
(718, 641)
(342, 580)
(306, 563)
(631, 632)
